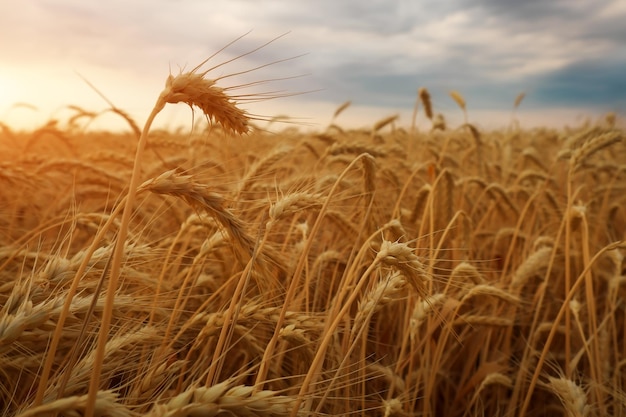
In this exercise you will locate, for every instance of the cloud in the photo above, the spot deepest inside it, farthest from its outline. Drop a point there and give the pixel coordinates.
(588, 83)
(377, 53)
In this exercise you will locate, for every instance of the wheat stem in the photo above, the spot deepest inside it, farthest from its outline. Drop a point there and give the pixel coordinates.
(116, 263)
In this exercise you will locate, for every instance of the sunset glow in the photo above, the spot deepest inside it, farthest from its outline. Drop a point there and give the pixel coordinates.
(375, 54)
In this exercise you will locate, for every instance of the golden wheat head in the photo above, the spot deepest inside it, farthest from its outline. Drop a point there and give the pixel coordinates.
(194, 89)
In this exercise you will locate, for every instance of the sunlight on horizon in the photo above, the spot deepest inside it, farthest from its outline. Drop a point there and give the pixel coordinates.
(32, 98)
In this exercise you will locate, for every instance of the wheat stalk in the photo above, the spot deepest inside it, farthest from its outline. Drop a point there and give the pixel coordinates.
(424, 95)
(195, 90)
(200, 197)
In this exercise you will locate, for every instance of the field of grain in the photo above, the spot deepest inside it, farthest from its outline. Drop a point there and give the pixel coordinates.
(388, 271)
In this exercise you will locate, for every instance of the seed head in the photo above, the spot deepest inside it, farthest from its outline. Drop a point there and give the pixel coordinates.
(194, 89)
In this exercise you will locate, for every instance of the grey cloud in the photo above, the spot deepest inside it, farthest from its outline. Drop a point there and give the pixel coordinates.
(371, 85)
(567, 18)
(374, 52)
(376, 16)
(536, 11)
(601, 84)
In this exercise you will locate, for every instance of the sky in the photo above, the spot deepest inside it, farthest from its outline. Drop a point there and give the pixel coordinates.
(567, 56)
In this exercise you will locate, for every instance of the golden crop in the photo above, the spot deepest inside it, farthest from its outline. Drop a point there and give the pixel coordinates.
(379, 272)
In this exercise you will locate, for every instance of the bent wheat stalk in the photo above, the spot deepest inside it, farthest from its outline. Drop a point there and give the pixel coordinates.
(193, 89)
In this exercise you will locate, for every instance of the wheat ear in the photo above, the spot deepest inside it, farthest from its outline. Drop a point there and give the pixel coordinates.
(425, 97)
(572, 396)
(225, 398)
(195, 90)
(460, 101)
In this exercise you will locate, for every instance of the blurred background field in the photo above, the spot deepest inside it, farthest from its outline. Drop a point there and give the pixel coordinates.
(390, 270)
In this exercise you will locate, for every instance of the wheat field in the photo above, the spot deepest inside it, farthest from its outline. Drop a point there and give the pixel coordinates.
(421, 271)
